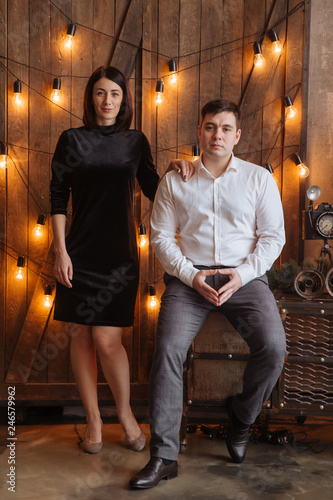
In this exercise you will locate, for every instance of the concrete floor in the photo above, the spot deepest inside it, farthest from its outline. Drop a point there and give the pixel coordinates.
(51, 466)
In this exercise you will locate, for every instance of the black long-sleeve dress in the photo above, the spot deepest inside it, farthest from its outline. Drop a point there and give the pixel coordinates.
(99, 167)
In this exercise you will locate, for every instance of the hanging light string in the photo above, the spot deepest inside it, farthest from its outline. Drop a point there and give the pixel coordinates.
(41, 275)
(296, 8)
(39, 93)
(26, 256)
(143, 78)
(174, 149)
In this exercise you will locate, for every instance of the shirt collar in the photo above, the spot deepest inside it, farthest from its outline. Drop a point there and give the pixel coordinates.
(231, 167)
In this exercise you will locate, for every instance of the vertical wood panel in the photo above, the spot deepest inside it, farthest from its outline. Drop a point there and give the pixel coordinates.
(210, 67)
(103, 21)
(3, 179)
(61, 65)
(189, 105)
(143, 339)
(291, 180)
(81, 55)
(39, 139)
(17, 196)
(231, 63)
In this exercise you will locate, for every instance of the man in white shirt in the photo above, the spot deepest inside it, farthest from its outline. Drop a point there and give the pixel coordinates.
(230, 227)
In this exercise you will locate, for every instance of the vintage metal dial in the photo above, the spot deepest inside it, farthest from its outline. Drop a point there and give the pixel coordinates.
(324, 224)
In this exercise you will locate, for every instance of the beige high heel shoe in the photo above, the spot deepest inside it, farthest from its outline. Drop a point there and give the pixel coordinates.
(92, 447)
(137, 444)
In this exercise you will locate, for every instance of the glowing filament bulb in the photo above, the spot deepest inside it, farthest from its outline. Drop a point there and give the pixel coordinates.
(290, 109)
(153, 301)
(276, 44)
(277, 47)
(3, 155)
(174, 78)
(303, 170)
(291, 112)
(20, 266)
(38, 230)
(47, 302)
(159, 91)
(143, 238)
(3, 161)
(68, 41)
(159, 98)
(55, 95)
(47, 296)
(17, 98)
(173, 69)
(259, 60)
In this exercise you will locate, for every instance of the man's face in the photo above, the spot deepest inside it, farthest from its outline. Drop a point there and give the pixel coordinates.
(218, 135)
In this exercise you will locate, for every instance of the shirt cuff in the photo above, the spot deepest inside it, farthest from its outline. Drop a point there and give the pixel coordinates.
(187, 275)
(246, 273)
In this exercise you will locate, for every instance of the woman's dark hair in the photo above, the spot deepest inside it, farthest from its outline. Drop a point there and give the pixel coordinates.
(125, 115)
(220, 105)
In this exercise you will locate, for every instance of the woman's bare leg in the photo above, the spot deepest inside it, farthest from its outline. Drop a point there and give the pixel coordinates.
(83, 359)
(114, 361)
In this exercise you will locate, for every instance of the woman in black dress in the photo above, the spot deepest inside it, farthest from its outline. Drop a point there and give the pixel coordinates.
(96, 265)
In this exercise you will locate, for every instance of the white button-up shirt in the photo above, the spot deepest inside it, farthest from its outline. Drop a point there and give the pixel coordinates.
(235, 220)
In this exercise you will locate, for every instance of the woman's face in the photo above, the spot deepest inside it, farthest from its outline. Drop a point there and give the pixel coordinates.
(107, 99)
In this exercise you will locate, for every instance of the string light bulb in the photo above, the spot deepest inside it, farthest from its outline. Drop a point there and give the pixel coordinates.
(290, 108)
(55, 95)
(38, 229)
(20, 266)
(302, 169)
(143, 238)
(173, 70)
(17, 98)
(153, 301)
(159, 91)
(47, 296)
(3, 155)
(196, 151)
(259, 59)
(276, 44)
(68, 42)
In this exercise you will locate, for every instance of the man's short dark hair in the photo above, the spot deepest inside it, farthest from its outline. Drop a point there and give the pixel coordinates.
(219, 106)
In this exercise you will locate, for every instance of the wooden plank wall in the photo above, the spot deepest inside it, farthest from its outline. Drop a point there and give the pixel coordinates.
(211, 43)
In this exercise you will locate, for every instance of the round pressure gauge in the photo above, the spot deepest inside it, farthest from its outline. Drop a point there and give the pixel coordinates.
(324, 224)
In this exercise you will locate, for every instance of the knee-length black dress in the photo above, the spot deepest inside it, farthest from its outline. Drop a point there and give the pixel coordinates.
(99, 168)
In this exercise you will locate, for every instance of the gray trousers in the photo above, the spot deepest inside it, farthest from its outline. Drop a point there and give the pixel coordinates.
(252, 311)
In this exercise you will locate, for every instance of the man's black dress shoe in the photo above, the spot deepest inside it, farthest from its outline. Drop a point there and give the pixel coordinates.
(237, 439)
(154, 471)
